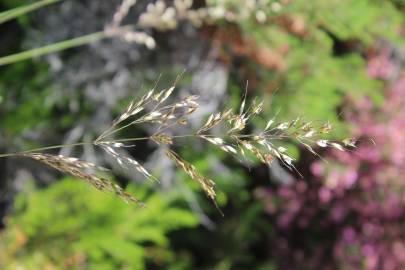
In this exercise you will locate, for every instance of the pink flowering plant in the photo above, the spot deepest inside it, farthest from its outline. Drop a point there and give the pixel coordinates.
(350, 211)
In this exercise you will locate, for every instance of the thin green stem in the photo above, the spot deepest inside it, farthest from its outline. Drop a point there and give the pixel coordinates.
(45, 148)
(59, 46)
(56, 47)
(109, 133)
(127, 140)
(7, 155)
(55, 147)
(148, 138)
(16, 12)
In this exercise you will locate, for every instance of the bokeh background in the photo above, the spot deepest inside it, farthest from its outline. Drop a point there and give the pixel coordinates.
(340, 61)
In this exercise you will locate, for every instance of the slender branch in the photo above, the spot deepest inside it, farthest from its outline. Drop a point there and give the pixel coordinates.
(45, 148)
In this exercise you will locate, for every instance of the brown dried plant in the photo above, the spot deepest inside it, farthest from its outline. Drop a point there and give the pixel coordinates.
(167, 15)
(158, 109)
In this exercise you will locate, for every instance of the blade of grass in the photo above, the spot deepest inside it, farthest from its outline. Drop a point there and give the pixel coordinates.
(16, 12)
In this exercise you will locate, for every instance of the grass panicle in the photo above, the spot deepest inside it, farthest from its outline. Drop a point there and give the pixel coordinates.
(159, 110)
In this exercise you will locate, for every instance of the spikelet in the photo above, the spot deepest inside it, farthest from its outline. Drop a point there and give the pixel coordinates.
(122, 11)
(124, 161)
(206, 184)
(75, 167)
(213, 120)
(220, 143)
(162, 138)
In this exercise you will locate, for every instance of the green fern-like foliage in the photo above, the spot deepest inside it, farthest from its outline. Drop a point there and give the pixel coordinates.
(313, 53)
(71, 226)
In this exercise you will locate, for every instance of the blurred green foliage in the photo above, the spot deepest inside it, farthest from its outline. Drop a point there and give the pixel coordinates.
(322, 45)
(23, 103)
(309, 56)
(315, 54)
(71, 225)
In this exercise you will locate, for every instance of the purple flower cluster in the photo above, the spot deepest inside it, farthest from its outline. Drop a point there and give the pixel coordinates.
(350, 214)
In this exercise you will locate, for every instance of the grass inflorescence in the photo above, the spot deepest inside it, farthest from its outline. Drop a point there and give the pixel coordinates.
(158, 109)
